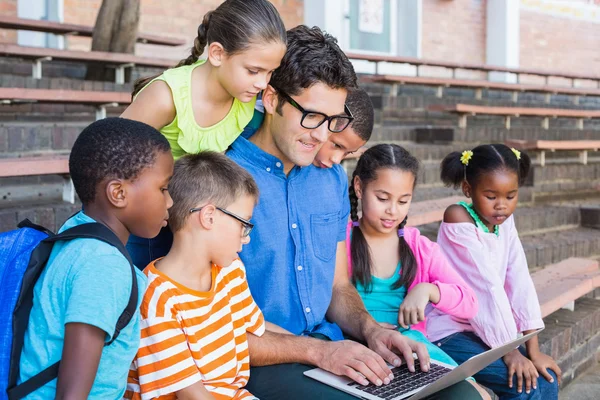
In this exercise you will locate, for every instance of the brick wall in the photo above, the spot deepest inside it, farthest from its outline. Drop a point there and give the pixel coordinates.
(454, 30)
(549, 42)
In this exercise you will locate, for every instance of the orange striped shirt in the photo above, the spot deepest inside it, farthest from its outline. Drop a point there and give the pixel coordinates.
(190, 336)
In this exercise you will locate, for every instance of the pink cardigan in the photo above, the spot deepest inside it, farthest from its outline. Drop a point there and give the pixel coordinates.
(456, 297)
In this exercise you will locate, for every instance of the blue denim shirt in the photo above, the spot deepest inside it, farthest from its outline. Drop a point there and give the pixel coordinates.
(299, 219)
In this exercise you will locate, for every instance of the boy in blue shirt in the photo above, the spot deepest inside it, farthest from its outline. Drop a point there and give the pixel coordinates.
(120, 169)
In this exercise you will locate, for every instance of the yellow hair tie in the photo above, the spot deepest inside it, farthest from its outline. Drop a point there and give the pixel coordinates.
(517, 153)
(466, 157)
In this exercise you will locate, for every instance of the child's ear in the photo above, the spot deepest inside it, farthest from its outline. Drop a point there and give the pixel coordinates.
(116, 193)
(206, 216)
(357, 187)
(466, 189)
(270, 99)
(216, 53)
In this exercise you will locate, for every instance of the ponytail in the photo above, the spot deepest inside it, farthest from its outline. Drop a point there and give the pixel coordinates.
(469, 165)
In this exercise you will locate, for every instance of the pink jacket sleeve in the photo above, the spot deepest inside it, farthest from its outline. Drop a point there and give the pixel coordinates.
(456, 296)
(494, 323)
(519, 285)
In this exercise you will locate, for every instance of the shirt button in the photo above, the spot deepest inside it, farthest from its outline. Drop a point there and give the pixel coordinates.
(278, 164)
(268, 169)
(307, 309)
(294, 226)
(299, 267)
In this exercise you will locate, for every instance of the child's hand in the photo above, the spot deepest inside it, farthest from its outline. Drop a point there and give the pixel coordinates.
(520, 365)
(543, 363)
(412, 310)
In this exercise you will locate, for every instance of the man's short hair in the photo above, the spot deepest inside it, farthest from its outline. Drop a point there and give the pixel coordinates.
(112, 148)
(360, 105)
(312, 56)
(206, 177)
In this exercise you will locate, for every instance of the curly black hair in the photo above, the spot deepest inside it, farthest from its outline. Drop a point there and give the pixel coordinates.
(312, 56)
(360, 105)
(112, 148)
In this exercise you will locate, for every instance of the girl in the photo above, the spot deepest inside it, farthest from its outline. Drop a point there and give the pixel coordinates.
(398, 272)
(204, 104)
(482, 243)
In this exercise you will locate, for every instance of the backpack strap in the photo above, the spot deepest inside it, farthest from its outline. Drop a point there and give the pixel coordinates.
(40, 255)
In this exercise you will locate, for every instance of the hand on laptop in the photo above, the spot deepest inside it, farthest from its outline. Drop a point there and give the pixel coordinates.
(357, 362)
(391, 345)
(523, 368)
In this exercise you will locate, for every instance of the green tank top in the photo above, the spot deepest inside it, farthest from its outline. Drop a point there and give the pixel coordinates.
(183, 133)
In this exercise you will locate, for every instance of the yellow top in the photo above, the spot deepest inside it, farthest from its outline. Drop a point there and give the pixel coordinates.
(183, 133)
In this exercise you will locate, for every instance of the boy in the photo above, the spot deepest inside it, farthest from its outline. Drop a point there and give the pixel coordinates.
(350, 140)
(198, 308)
(120, 170)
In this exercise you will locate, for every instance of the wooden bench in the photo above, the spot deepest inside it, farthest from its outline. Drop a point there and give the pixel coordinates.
(32, 166)
(101, 100)
(479, 85)
(454, 66)
(507, 112)
(541, 146)
(119, 60)
(559, 285)
(59, 28)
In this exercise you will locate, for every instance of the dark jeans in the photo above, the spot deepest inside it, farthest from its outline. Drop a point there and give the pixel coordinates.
(143, 251)
(287, 381)
(464, 345)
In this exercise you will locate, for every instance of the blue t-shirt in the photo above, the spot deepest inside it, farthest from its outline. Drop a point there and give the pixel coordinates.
(85, 281)
(299, 220)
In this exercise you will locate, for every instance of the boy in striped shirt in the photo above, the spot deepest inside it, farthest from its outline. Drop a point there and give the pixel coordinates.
(198, 308)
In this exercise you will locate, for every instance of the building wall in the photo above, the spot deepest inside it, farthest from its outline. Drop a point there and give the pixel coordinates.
(454, 30)
(558, 43)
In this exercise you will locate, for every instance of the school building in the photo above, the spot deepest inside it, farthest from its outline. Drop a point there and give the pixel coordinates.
(561, 35)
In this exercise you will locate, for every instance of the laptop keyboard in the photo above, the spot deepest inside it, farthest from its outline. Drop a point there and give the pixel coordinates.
(404, 381)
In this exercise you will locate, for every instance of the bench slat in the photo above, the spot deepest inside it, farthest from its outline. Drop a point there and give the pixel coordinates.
(34, 166)
(59, 28)
(521, 111)
(564, 282)
(10, 50)
(553, 144)
(64, 96)
(472, 83)
(429, 211)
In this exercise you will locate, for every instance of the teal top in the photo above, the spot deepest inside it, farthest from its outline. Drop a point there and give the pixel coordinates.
(86, 281)
(383, 303)
(478, 222)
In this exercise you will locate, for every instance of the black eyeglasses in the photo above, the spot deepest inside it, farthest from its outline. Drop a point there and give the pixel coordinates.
(314, 119)
(246, 225)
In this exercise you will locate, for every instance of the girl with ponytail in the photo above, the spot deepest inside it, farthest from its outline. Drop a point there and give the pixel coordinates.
(397, 272)
(204, 104)
(481, 242)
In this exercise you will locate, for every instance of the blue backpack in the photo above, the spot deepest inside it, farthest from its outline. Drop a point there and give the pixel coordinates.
(24, 253)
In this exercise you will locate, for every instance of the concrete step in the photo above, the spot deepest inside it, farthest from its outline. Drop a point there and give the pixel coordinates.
(551, 247)
(573, 338)
(34, 138)
(48, 214)
(585, 387)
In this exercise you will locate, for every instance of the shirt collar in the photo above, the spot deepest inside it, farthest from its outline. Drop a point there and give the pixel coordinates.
(244, 148)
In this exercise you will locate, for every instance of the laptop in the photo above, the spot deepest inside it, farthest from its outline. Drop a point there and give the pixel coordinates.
(418, 385)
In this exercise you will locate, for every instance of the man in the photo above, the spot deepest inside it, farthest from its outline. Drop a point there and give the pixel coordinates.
(296, 261)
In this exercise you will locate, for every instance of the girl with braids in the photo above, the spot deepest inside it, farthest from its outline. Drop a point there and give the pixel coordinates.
(204, 104)
(481, 242)
(396, 271)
